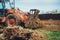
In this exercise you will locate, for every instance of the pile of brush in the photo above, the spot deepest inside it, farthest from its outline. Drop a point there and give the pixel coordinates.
(22, 34)
(32, 23)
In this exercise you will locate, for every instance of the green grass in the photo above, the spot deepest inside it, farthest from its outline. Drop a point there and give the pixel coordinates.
(52, 35)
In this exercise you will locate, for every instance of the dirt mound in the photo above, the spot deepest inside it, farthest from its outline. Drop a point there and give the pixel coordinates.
(23, 34)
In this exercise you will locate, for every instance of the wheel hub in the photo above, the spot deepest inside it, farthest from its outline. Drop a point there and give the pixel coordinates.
(11, 22)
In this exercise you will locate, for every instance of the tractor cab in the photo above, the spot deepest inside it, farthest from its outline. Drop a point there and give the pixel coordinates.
(4, 6)
(2, 11)
(34, 12)
(1, 8)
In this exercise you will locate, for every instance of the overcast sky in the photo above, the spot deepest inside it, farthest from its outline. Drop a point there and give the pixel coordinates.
(43, 5)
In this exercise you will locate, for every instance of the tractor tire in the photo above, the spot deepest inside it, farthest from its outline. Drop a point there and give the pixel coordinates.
(12, 19)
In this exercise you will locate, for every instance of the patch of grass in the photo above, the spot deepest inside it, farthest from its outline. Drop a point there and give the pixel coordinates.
(52, 35)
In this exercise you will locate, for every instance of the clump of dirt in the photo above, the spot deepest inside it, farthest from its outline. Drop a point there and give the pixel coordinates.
(22, 34)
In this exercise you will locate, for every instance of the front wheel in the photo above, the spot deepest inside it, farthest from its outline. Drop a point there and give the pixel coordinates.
(11, 20)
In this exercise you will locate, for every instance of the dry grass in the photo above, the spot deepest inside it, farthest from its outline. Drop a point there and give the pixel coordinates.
(50, 24)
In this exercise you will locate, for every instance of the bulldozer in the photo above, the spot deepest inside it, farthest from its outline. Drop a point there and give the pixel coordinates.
(12, 17)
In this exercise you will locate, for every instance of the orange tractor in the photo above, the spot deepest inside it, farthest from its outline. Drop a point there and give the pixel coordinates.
(13, 16)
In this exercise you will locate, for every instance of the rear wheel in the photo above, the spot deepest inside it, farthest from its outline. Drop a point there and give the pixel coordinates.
(11, 20)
